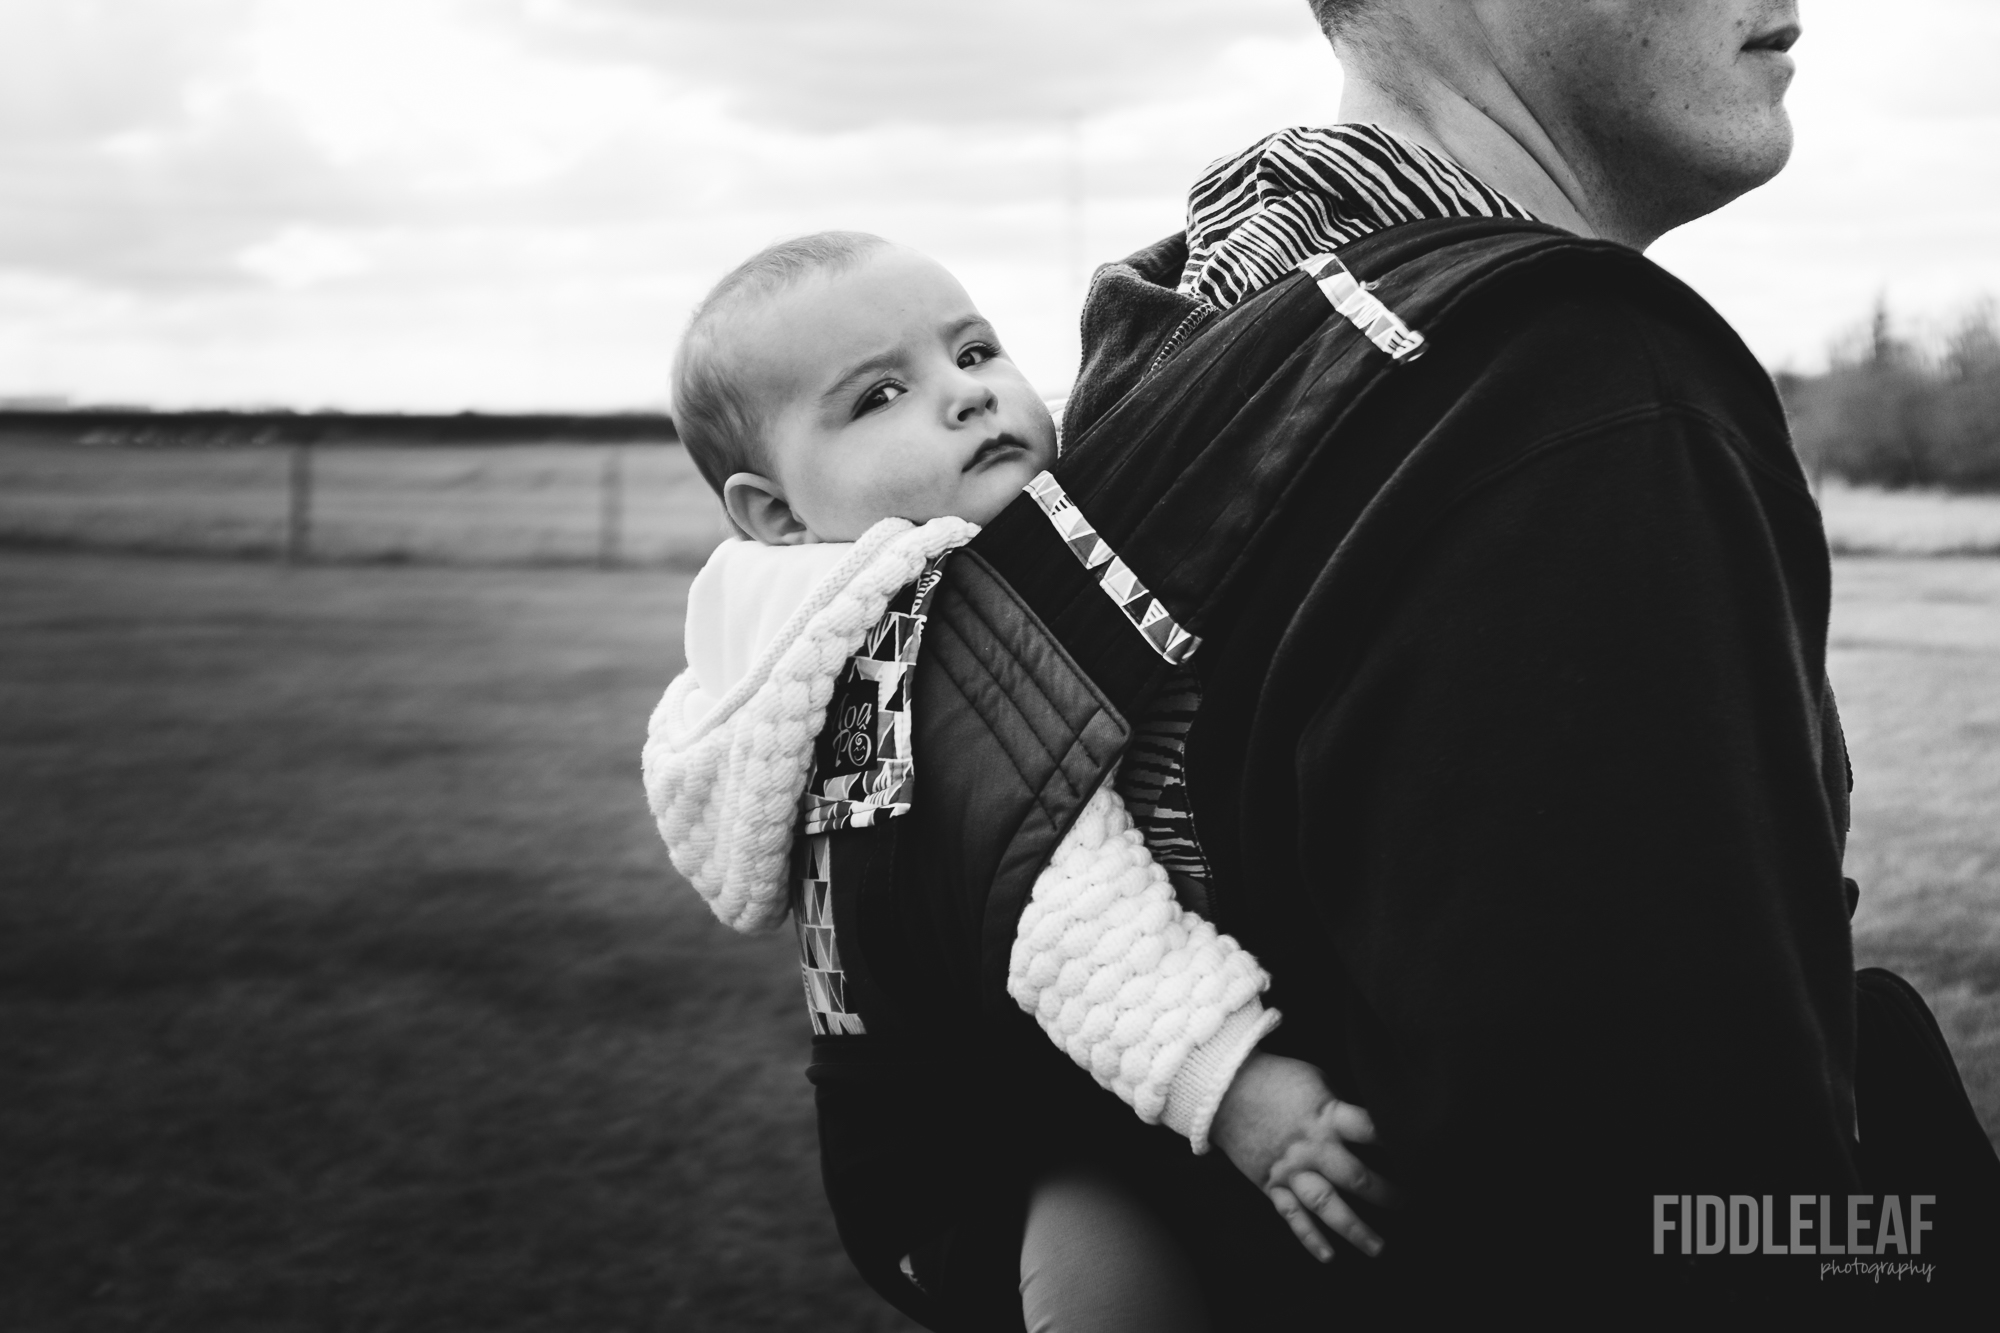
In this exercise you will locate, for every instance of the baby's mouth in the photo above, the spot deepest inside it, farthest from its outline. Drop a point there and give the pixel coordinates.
(993, 450)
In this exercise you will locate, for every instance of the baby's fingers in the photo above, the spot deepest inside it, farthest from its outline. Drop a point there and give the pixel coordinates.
(1352, 1123)
(1301, 1222)
(1338, 1167)
(1312, 1189)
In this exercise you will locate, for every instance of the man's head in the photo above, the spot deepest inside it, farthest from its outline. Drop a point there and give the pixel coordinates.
(836, 380)
(1654, 111)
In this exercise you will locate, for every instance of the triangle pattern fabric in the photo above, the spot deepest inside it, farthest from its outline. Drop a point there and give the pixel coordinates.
(1146, 612)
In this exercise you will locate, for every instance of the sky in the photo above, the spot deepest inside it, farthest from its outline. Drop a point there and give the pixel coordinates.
(437, 205)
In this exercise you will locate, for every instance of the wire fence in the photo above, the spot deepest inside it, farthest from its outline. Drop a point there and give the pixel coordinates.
(552, 503)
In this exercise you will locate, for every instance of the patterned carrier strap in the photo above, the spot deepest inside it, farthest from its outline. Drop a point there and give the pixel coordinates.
(1113, 576)
(861, 775)
(1356, 302)
(1151, 776)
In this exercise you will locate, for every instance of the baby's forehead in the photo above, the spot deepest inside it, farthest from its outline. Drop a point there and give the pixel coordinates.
(802, 336)
(880, 292)
(891, 282)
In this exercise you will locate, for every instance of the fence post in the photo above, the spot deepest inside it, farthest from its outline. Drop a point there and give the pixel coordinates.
(611, 508)
(298, 522)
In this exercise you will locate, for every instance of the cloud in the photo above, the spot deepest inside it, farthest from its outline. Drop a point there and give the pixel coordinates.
(134, 153)
(303, 256)
(513, 203)
(444, 203)
(810, 66)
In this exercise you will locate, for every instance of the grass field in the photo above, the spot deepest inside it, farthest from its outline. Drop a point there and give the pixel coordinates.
(343, 985)
(1915, 658)
(1862, 520)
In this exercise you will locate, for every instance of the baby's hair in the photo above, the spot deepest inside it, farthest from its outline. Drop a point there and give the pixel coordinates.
(717, 424)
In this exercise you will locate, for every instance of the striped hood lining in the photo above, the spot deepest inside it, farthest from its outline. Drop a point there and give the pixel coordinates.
(1254, 217)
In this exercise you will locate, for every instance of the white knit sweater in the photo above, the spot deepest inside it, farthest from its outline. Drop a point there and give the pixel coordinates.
(1149, 998)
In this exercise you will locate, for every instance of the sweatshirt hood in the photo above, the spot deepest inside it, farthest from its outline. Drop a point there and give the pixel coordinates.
(730, 744)
(741, 599)
(1130, 317)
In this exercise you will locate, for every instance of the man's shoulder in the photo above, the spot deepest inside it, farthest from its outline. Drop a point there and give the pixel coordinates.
(1532, 337)
(1570, 321)
(1510, 297)
(1545, 336)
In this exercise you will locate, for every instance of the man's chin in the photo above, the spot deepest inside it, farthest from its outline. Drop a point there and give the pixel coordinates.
(1732, 165)
(1758, 157)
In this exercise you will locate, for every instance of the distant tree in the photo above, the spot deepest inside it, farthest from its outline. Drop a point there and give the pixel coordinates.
(1883, 349)
(1887, 412)
(1973, 348)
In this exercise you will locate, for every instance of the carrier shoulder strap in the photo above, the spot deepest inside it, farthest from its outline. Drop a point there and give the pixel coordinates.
(1062, 620)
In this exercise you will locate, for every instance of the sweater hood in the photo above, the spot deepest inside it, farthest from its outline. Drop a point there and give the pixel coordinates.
(730, 744)
(739, 602)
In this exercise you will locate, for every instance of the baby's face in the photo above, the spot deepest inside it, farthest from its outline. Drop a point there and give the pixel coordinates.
(888, 395)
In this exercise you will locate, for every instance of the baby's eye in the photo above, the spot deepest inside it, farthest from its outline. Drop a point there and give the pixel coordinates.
(975, 353)
(881, 395)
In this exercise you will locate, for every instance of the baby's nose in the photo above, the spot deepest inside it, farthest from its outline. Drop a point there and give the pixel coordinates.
(975, 400)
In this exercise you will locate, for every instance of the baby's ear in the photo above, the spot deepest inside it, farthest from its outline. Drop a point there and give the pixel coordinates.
(758, 506)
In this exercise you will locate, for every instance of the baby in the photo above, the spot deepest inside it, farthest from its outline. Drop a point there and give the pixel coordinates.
(858, 418)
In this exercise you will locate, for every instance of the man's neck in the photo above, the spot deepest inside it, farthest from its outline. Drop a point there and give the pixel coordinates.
(1490, 134)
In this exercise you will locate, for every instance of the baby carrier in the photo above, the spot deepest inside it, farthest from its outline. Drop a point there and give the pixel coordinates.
(1028, 656)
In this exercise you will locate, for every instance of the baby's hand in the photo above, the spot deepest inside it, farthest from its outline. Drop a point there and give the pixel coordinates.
(1282, 1128)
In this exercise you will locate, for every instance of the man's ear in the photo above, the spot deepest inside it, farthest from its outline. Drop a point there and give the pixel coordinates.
(758, 506)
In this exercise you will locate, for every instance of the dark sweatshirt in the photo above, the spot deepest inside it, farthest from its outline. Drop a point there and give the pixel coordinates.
(1516, 765)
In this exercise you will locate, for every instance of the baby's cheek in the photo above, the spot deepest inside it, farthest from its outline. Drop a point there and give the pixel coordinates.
(845, 512)
(916, 494)
(996, 490)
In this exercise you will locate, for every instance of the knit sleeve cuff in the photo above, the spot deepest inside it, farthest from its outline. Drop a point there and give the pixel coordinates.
(1210, 1068)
